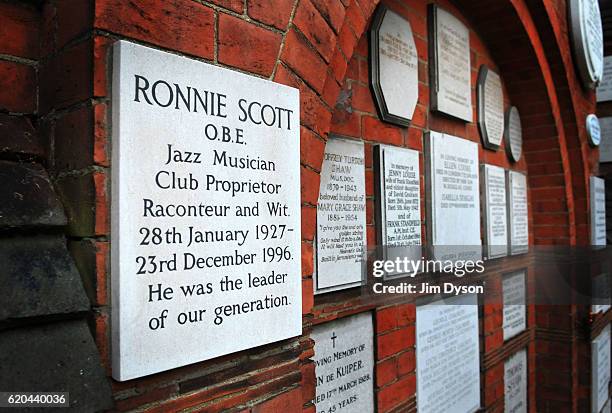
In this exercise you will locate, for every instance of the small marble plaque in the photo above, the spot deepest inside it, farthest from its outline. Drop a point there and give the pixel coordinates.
(448, 355)
(490, 108)
(341, 217)
(604, 90)
(398, 208)
(605, 147)
(598, 211)
(495, 210)
(344, 365)
(517, 212)
(515, 383)
(449, 64)
(514, 301)
(593, 130)
(205, 168)
(513, 132)
(587, 40)
(600, 370)
(453, 196)
(394, 67)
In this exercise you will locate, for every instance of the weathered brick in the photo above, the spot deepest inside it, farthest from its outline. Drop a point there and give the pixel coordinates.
(17, 87)
(19, 30)
(272, 12)
(310, 22)
(246, 46)
(304, 61)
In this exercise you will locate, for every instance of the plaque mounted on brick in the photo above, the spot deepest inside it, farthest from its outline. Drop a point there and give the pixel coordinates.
(604, 90)
(448, 355)
(515, 382)
(600, 370)
(605, 147)
(494, 210)
(587, 40)
(514, 296)
(452, 196)
(490, 108)
(449, 64)
(518, 220)
(598, 211)
(593, 130)
(513, 134)
(398, 202)
(344, 364)
(197, 192)
(394, 66)
(341, 217)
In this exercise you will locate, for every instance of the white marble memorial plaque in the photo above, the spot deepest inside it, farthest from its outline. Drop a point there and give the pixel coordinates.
(205, 169)
(514, 301)
(449, 62)
(490, 108)
(395, 66)
(344, 365)
(593, 130)
(515, 383)
(341, 217)
(600, 370)
(517, 213)
(513, 132)
(605, 147)
(598, 211)
(398, 194)
(604, 90)
(453, 196)
(587, 40)
(448, 356)
(495, 210)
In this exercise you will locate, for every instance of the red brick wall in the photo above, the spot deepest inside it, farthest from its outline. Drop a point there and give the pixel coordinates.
(55, 66)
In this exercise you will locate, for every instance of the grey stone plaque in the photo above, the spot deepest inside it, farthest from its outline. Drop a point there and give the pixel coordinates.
(398, 202)
(587, 40)
(518, 221)
(344, 365)
(394, 67)
(453, 196)
(598, 211)
(490, 108)
(205, 170)
(593, 130)
(495, 210)
(600, 370)
(513, 132)
(514, 301)
(341, 217)
(605, 147)
(515, 383)
(604, 90)
(449, 64)
(600, 293)
(448, 356)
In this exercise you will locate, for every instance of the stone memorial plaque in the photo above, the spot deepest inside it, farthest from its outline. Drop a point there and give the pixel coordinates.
(394, 67)
(206, 244)
(341, 217)
(600, 370)
(344, 365)
(515, 383)
(600, 293)
(593, 130)
(605, 147)
(587, 40)
(453, 196)
(598, 211)
(449, 67)
(513, 133)
(398, 207)
(514, 300)
(604, 90)
(448, 356)
(495, 210)
(517, 213)
(490, 108)
(607, 408)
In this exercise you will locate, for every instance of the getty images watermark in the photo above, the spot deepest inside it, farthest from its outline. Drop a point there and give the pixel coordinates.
(406, 267)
